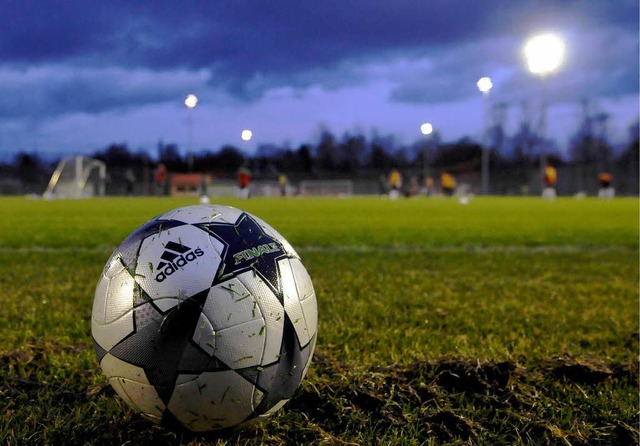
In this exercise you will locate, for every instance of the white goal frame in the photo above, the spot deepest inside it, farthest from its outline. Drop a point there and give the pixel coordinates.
(76, 172)
(326, 188)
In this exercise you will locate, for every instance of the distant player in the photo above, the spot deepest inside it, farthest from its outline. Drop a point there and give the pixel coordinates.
(161, 178)
(395, 184)
(244, 178)
(429, 186)
(606, 189)
(550, 179)
(282, 184)
(448, 184)
(413, 187)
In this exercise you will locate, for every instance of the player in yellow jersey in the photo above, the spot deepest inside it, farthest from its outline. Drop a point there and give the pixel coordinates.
(395, 184)
(448, 183)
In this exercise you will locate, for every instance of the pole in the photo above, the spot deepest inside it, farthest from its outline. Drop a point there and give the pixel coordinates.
(425, 153)
(485, 146)
(189, 147)
(543, 128)
(427, 131)
(79, 175)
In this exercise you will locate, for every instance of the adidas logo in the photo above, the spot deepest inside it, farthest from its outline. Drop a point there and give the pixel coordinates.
(175, 256)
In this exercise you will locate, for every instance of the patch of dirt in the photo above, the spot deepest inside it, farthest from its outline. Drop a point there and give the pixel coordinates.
(589, 371)
(458, 376)
(509, 396)
(35, 352)
(446, 425)
(627, 434)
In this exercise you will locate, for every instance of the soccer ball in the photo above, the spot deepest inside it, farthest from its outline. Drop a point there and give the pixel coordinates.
(205, 318)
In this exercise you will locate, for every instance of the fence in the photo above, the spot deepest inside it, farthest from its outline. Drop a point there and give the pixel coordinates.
(572, 179)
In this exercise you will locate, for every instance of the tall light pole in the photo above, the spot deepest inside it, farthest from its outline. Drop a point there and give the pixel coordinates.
(544, 54)
(426, 129)
(190, 102)
(484, 85)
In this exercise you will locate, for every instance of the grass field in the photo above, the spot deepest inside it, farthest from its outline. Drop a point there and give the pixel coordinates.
(506, 321)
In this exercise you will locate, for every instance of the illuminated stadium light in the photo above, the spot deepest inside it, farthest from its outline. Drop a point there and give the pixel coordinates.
(484, 84)
(191, 101)
(246, 135)
(544, 53)
(426, 128)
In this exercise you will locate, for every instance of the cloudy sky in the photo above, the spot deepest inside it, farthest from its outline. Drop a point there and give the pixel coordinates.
(76, 76)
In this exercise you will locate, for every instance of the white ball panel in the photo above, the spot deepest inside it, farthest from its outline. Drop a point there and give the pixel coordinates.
(272, 312)
(142, 397)
(310, 310)
(279, 405)
(228, 214)
(308, 364)
(100, 300)
(114, 265)
(119, 298)
(211, 401)
(292, 303)
(188, 274)
(113, 367)
(192, 214)
(204, 335)
(185, 378)
(303, 280)
(242, 345)
(203, 213)
(108, 335)
(167, 303)
(217, 246)
(130, 382)
(229, 304)
(258, 395)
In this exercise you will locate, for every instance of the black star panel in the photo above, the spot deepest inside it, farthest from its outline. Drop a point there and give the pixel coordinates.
(246, 246)
(162, 344)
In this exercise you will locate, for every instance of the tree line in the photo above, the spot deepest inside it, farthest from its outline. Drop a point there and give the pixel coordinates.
(346, 156)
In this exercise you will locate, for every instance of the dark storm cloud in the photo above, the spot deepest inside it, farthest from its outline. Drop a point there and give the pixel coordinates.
(250, 47)
(236, 40)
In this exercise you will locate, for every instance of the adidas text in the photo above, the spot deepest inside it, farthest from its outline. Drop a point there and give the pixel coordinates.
(178, 263)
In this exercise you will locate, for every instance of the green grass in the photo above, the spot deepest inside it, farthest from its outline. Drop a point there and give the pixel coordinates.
(506, 321)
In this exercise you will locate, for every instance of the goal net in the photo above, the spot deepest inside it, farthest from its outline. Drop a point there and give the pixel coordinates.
(77, 177)
(326, 188)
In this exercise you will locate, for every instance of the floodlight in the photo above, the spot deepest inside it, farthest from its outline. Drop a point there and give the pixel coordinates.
(426, 128)
(191, 101)
(484, 84)
(544, 53)
(246, 135)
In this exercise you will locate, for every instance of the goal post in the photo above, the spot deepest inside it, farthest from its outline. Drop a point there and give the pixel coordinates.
(77, 177)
